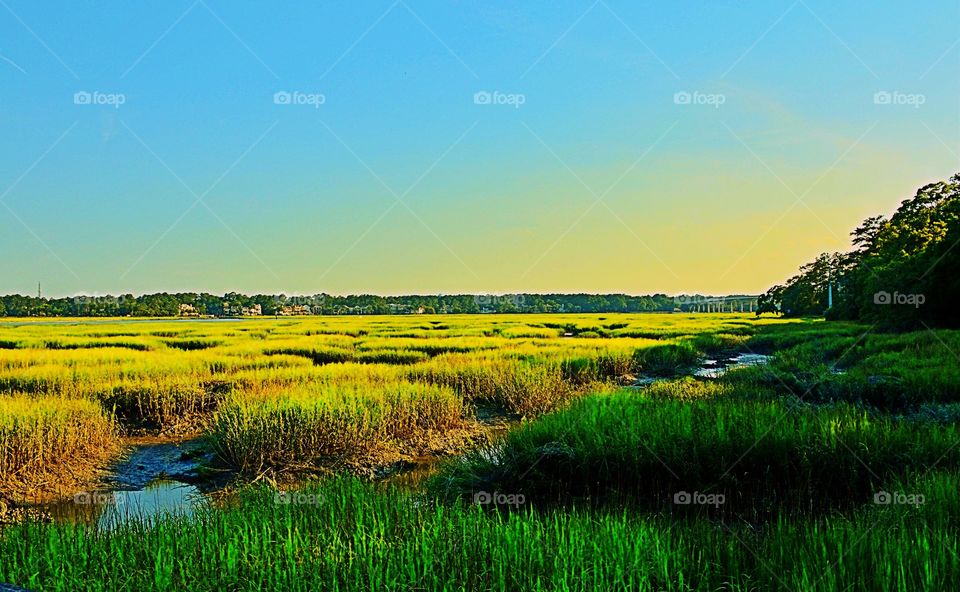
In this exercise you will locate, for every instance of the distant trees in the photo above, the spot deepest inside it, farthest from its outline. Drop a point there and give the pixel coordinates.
(168, 305)
(904, 271)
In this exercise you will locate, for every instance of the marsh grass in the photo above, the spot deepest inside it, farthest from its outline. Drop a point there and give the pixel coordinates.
(825, 362)
(174, 377)
(667, 360)
(758, 454)
(192, 344)
(522, 388)
(799, 447)
(357, 537)
(306, 430)
(57, 441)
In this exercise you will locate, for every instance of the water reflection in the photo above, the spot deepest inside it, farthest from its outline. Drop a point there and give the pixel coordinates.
(717, 368)
(152, 479)
(108, 510)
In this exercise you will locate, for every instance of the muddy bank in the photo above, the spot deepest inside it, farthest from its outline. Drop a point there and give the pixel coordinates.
(157, 459)
(492, 422)
(15, 514)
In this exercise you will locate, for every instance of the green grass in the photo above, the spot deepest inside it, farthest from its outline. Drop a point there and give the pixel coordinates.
(823, 362)
(667, 360)
(353, 536)
(761, 455)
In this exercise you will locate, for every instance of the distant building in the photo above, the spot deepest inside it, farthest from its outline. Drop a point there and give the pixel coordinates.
(294, 310)
(188, 310)
(254, 310)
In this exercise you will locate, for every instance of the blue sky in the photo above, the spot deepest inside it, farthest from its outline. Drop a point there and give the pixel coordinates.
(602, 179)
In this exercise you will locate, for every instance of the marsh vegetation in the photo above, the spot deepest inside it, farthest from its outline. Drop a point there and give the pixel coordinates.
(833, 465)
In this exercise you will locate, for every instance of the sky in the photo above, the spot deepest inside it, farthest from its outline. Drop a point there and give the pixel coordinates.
(407, 146)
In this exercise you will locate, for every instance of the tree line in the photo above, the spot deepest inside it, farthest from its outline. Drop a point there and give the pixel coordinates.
(168, 305)
(903, 271)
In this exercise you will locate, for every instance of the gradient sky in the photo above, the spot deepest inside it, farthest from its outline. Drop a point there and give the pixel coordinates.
(400, 183)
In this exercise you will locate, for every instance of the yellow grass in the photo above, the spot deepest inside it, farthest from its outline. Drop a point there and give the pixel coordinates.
(50, 441)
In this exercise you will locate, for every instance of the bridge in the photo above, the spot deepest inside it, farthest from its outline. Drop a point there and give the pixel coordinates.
(716, 304)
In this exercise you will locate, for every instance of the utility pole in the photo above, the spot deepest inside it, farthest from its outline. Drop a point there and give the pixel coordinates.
(829, 291)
